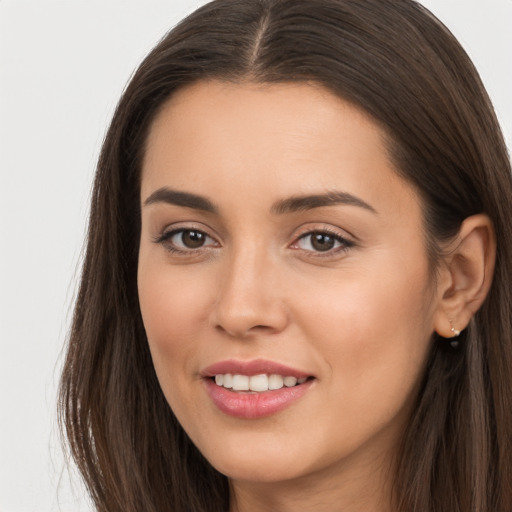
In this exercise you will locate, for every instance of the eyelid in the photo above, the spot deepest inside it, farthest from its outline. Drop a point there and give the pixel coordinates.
(185, 226)
(346, 240)
(164, 237)
(324, 228)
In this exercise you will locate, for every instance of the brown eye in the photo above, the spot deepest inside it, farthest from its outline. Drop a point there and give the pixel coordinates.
(191, 239)
(322, 242)
(319, 241)
(185, 240)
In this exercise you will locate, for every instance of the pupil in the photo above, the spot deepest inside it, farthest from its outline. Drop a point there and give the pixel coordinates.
(322, 242)
(192, 239)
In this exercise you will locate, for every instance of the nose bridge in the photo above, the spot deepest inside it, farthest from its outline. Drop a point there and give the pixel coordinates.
(249, 297)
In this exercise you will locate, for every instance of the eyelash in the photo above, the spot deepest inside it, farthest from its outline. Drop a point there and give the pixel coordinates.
(344, 244)
(166, 237)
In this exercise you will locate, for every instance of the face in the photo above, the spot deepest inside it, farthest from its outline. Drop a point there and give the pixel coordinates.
(283, 280)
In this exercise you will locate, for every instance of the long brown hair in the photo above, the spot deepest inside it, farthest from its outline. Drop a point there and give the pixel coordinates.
(396, 61)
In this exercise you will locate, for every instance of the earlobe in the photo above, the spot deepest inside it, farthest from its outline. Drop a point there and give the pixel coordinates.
(468, 267)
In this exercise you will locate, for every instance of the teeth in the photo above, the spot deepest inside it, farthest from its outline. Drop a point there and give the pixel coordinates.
(228, 380)
(240, 383)
(275, 382)
(290, 381)
(257, 383)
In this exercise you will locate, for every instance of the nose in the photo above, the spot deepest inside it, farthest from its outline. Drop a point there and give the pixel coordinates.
(250, 296)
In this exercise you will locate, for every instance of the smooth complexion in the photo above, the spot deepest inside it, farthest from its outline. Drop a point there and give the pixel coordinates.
(275, 229)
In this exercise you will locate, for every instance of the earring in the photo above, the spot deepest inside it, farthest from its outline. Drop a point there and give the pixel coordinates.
(454, 343)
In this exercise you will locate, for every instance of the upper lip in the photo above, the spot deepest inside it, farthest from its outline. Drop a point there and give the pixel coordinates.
(253, 367)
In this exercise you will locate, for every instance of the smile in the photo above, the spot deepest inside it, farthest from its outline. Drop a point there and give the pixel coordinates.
(254, 389)
(257, 383)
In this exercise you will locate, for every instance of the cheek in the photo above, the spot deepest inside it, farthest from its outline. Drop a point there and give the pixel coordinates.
(173, 308)
(173, 298)
(373, 331)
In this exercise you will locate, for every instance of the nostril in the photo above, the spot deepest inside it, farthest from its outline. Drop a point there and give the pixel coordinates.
(241, 332)
(240, 317)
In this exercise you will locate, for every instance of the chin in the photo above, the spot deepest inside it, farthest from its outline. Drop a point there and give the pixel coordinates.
(256, 471)
(261, 461)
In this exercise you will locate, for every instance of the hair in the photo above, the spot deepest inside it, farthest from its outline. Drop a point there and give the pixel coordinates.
(395, 61)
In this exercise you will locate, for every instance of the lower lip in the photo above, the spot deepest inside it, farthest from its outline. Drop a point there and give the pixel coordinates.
(249, 405)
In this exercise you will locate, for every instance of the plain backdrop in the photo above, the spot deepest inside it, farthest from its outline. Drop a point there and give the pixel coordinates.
(63, 66)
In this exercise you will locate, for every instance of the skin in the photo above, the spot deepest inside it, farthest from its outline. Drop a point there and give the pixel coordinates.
(359, 317)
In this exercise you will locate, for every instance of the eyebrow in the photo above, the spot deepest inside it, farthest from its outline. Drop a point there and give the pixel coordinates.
(288, 205)
(186, 199)
(308, 202)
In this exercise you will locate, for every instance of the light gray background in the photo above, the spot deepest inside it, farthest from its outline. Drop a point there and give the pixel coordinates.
(63, 65)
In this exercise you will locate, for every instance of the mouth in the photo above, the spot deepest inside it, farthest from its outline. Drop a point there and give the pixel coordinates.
(257, 383)
(254, 389)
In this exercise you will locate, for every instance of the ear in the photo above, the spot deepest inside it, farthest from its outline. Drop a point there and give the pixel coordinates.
(465, 275)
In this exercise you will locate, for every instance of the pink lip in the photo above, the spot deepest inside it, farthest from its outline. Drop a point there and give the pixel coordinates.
(250, 405)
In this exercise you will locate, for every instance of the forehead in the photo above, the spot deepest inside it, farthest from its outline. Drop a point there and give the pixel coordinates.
(268, 141)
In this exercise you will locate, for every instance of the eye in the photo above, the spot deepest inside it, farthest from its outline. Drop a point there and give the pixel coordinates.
(322, 241)
(185, 240)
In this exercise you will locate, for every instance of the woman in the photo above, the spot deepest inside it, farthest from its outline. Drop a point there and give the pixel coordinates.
(296, 287)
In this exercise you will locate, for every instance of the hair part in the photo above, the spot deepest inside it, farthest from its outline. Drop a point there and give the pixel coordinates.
(396, 62)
